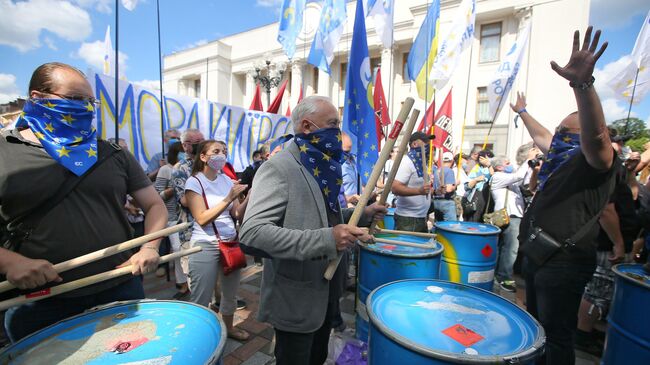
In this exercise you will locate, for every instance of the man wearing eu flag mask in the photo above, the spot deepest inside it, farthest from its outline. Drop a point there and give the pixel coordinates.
(295, 216)
(558, 231)
(62, 193)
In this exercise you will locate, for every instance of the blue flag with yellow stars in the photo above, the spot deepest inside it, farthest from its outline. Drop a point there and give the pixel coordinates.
(320, 154)
(64, 128)
(359, 114)
(563, 147)
(416, 156)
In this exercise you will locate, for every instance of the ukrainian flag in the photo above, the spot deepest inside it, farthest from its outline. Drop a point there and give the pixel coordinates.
(424, 50)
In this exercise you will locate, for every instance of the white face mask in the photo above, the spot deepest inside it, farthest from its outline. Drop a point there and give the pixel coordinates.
(217, 162)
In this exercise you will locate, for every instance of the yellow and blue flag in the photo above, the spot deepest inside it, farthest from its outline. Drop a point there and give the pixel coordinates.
(290, 25)
(424, 50)
(358, 114)
(330, 29)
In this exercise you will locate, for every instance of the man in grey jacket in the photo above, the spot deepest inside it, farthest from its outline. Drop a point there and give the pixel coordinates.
(294, 216)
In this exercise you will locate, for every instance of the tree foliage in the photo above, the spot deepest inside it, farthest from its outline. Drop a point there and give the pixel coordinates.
(636, 130)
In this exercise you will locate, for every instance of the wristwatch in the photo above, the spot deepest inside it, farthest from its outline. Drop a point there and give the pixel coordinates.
(583, 86)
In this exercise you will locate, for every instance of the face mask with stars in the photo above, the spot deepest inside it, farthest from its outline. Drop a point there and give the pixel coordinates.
(563, 147)
(64, 128)
(321, 153)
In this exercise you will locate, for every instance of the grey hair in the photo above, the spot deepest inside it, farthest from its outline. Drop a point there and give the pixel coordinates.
(307, 106)
(187, 132)
(476, 149)
(171, 132)
(522, 152)
(499, 161)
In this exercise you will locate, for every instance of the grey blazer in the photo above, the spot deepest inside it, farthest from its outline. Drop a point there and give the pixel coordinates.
(286, 217)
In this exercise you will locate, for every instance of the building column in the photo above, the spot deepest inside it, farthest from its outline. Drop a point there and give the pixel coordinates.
(324, 87)
(296, 82)
(182, 87)
(388, 74)
(250, 90)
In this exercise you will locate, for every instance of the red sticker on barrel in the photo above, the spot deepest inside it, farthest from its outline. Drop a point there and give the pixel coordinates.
(396, 129)
(39, 293)
(389, 247)
(463, 335)
(487, 251)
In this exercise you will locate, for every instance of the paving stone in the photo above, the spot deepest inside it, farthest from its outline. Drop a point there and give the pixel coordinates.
(268, 333)
(251, 288)
(250, 348)
(258, 358)
(231, 345)
(231, 360)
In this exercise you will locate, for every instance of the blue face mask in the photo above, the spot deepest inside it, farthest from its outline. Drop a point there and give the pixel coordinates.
(508, 169)
(64, 128)
(563, 147)
(171, 142)
(182, 156)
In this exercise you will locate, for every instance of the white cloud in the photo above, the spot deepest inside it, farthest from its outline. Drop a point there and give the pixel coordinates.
(93, 54)
(22, 22)
(50, 44)
(268, 3)
(149, 84)
(613, 107)
(615, 14)
(8, 89)
(103, 6)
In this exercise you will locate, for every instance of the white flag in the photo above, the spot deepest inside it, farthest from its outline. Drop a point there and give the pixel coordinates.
(458, 38)
(623, 82)
(382, 12)
(109, 54)
(130, 4)
(502, 81)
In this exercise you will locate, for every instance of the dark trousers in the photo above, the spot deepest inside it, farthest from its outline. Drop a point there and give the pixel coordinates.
(302, 348)
(31, 317)
(553, 294)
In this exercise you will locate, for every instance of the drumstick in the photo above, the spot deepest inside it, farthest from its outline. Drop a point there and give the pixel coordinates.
(108, 251)
(409, 233)
(425, 169)
(403, 243)
(398, 159)
(80, 283)
(374, 176)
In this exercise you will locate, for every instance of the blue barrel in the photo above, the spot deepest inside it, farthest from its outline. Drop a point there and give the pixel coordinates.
(438, 322)
(628, 333)
(389, 220)
(470, 255)
(133, 332)
(382, 263)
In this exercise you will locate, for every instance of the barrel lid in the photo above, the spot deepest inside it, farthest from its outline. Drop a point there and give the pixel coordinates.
(454, 322)
(399, 250)
(471, 228)
(634, 273)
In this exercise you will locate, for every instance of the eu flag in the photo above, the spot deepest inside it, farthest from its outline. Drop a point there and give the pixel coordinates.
(330, 29)
(359, 115)
(290, 25)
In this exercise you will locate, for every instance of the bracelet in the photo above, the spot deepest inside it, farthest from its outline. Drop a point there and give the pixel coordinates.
(583, 86)
(523, 110)
(151, 248)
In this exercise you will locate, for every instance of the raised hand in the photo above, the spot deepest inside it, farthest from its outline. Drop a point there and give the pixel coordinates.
(581, 64)
(520, 104)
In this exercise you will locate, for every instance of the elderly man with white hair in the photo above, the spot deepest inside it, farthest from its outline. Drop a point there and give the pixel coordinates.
(296, 218)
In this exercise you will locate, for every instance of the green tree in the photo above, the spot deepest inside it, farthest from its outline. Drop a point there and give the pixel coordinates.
(636, 129)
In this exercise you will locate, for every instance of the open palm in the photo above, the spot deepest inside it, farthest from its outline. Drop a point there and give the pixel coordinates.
(581, 64)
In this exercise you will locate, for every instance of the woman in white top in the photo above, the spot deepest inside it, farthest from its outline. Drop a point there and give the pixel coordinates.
(223, 208)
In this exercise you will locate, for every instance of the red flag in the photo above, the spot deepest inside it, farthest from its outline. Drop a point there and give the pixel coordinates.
(229, 171)
(442, 125)
(288, 113)
(382, 118)
(299, 96)
(275, 105)
(427, 120)
(256, 104)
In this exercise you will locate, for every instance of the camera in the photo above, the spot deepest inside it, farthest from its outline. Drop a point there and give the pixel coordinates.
(537, 160)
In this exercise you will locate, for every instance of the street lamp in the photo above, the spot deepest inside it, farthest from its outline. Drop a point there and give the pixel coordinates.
(268, 77)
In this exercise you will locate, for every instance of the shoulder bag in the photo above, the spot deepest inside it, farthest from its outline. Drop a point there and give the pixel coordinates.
(499, 218)
(231, 256)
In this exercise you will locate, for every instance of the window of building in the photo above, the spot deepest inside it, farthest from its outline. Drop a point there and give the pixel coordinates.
(489, 146)
(405, 70)
(374, 65)
(482, 106)
(197, 88)
(490, 42)
(343, 75)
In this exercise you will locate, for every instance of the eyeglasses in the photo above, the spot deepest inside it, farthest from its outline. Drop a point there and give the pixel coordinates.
(88, 99)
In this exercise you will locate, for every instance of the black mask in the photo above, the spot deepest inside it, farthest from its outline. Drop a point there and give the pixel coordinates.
(195, 149)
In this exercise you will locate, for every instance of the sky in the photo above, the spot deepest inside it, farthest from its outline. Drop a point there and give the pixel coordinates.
(33, 32)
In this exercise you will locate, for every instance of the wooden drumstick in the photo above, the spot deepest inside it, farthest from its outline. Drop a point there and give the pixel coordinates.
(90, 280)
(374, 176)
(408, 233)
(425, 169)
(108, 251)
(403, 146)
(404, 243)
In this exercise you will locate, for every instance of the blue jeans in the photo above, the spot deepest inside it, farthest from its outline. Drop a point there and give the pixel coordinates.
(508, 248)
(447, 207)
(31, 317)
(553, 294)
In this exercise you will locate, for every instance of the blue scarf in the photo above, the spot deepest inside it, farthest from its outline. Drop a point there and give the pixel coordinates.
(321, 153)
(415, 156)
(64, 128)
(563, 147)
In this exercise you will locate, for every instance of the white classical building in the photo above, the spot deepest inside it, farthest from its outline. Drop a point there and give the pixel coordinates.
(222, 69)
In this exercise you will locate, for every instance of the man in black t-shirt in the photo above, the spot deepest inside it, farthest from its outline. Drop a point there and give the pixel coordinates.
(54, 141)
(576, 182)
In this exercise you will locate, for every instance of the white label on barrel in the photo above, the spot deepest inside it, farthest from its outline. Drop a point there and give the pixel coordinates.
(480, 276)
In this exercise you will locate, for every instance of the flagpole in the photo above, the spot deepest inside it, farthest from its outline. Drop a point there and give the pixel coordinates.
(390, 67)
(462, 130)
(496, 112)
(162, 100)
(433, 129)
(629, 110)
(117, 73)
